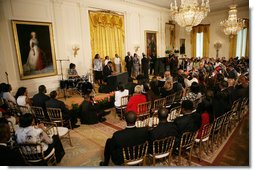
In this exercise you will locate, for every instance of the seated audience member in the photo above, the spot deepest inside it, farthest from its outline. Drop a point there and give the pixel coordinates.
(154, 84)
(107, 71)
(177, 86)
(2, 85)
(29, 133)
(190, 79)
(22, 97)
(89, 113)
(130, 136)
(221, 102)
(8, 157)
(72, 72)
(194, 92)
(130, 86)
(150, 96)
(7, 93)
(40, 98)
(164, 128)
(136, 99)
(54, 103)
(202, 110)
(167, 89)
(189, 122)
(119, 94)
(242, 87)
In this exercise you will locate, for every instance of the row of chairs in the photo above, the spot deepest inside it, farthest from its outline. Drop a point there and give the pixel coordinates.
(143, 108)
(161, 150)
(211, 136)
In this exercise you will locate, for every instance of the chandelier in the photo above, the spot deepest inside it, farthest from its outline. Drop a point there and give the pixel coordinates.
(232, 25)
(190, 13)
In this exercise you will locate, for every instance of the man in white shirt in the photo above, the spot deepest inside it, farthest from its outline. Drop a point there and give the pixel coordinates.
(117, 62)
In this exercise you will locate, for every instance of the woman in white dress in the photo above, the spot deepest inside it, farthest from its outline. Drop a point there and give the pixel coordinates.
(34, 60)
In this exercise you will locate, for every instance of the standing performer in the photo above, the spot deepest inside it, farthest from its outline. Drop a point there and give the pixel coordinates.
(117, 62)
(129, 63)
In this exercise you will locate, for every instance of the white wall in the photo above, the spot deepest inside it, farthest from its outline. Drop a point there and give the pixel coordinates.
(71, 26)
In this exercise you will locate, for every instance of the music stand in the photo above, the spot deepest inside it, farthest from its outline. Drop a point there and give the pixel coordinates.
(64, 88)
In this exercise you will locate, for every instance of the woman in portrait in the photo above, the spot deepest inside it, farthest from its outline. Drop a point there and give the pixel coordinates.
(35, 56)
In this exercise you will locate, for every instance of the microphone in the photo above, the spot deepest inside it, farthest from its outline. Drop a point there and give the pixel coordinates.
(6, 73)
(63, 60)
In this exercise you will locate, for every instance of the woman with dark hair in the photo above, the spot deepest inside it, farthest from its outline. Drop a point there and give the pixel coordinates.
(7, 93)
(22, 97)
(98, 69)
(29, 133)
(194, 92)
(119, 94)
(72, 72)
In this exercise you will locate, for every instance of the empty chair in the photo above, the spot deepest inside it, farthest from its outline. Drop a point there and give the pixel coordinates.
(154, 120)
(226, 125)
(162, 149)
(34, 155)
(204, 138)
(174, 113)
(135, 155)
(55, 115)
(186, 143)
(244, 107)
(38, 113)
(169, 100)
(235, 111)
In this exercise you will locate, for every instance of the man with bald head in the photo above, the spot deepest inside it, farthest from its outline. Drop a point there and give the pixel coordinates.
(130, 136)
(164, 128)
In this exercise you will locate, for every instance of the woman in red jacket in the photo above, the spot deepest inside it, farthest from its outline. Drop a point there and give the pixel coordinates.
(136, 99)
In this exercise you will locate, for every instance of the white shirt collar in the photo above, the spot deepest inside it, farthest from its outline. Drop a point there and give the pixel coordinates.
(3, 144)
(133, 126)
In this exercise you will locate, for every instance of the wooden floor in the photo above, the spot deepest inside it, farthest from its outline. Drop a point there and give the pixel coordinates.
(237, 153)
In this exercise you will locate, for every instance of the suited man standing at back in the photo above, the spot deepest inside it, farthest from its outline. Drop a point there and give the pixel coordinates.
(129, 63)
(128, 137)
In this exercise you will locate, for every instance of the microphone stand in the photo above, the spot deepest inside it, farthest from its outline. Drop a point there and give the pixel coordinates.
(6, 74)
(64, 88)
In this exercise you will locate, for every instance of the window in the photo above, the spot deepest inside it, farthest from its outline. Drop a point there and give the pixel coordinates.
(199, 44)
(241, 42)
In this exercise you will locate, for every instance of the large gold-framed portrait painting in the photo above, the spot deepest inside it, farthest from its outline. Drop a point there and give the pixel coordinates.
(151, 43)
(35, 49)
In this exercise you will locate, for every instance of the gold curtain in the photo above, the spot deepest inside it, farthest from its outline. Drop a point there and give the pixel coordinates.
(247, 40)
(107, 34)
(232, 46)
(205, 28)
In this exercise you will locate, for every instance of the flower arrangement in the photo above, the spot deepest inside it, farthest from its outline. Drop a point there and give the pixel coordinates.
(105, 101)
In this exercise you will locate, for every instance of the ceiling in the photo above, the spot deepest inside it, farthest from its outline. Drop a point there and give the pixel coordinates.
(215, 5)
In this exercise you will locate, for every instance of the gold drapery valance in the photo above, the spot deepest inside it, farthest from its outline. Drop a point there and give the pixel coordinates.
(106, 19)
(107, 34)
(205, 28)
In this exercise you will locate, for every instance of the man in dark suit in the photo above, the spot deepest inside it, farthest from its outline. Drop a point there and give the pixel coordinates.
(129, 63)
(163, 130)
(130, 136)
(145, 63)
(107, 71)
(54, 103)
(190, 121)
(8, 157)
(40, 98)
